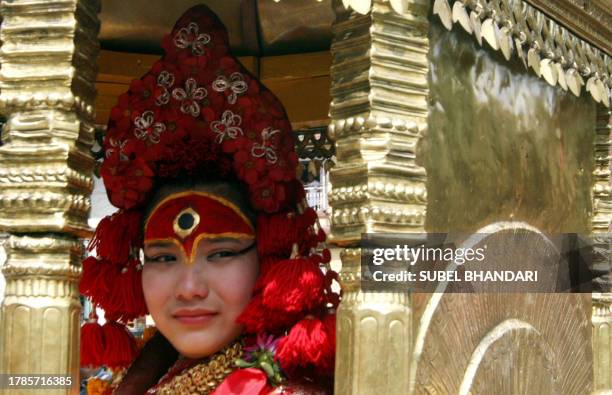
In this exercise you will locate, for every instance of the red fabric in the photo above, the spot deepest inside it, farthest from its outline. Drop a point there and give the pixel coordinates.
(244, 382)
(276, 234)
(217, 217)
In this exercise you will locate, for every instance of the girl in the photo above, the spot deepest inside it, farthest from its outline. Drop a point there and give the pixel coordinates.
(213, 237)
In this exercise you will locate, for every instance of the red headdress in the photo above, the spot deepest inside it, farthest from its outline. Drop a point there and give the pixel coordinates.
(199, 113)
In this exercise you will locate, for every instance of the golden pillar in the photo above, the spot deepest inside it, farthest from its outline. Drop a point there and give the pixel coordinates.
(379, 111)
(48, 59)
(602, 219)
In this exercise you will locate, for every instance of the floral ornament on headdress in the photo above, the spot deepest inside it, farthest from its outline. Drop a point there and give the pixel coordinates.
(199, 113)
(235, 84)
(165, 80)
(190, 97)
(146, 128)
(189, 37)
(228, 127)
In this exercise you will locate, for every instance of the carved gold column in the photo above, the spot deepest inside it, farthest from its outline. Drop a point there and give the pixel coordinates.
(378, 111)
(602, 219)
(48, 59)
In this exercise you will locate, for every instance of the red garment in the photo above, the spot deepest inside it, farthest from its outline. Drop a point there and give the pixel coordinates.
(249, 381)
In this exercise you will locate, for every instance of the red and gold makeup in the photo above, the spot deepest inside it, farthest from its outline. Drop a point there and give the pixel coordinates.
(187, 218)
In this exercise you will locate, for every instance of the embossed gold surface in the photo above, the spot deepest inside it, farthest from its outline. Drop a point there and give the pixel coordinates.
(506, 344)
(39, 329)
(374, 336)
(602, 342)
(503, 144)
(378, 111)
(602, 268)
(548, 46)
(48, 56)
(552, 51)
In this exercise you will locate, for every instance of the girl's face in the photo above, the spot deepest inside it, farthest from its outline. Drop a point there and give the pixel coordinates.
(195, 304)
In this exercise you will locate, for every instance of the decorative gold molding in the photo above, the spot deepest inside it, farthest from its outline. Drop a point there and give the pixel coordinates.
(549, 49)
(591, 20)
(47, 93)
(602, 343)
(602, 267)
(374, 336)
(379, 113)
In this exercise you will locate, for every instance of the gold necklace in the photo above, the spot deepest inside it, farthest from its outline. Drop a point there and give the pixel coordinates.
(204, 377)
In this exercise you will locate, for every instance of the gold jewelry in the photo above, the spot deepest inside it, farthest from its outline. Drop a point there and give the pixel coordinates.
(185, 222)
(204, 377)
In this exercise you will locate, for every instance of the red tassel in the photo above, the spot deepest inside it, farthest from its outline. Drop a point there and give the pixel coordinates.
(294, 285)
(92, 343)
(326, 256)
(126, 301)
(276, 234)
(310, 343)
(121, 347)
(116, 235)
(97, 279)
(117, 290)
(257, 318)
(321, 236)
(332, 297)
(308, 217)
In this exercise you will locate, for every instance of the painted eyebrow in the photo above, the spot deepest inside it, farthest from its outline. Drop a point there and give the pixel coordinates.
(159, 244)
(225, 239)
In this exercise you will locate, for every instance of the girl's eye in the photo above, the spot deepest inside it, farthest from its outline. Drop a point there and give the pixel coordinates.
(221, 254)
(163, 258)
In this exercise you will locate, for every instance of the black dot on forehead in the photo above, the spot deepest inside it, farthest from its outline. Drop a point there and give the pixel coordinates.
(186, 221)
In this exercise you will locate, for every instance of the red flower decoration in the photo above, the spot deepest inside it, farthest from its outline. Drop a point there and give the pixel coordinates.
(249, 168)
(267, 195)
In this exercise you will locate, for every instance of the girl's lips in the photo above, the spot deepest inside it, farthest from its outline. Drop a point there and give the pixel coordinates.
(195, 319)
(197, 316)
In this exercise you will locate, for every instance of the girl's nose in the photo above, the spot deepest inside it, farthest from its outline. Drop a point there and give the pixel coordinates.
(192, 283)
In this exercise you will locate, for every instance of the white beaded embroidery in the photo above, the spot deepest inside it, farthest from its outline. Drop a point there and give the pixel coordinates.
(165, 80)
(147, 128)
(227, 127)
(120, 145)
(189, 37)
(190, 96)
(265, 148)
(235, 83)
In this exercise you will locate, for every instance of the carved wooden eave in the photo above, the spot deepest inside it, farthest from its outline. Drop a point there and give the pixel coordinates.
(564, 42)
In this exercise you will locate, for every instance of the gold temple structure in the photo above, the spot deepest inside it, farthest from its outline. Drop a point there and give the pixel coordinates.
(446, 116)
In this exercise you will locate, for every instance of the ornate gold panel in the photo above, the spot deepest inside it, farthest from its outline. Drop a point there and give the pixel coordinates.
(547, 45)
(602, 267)
(505, 344)
(378, 114)
(47, 94)
(503, 144)
(378, 111)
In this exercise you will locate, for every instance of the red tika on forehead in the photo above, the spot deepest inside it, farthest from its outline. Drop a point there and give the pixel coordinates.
(187, 218)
